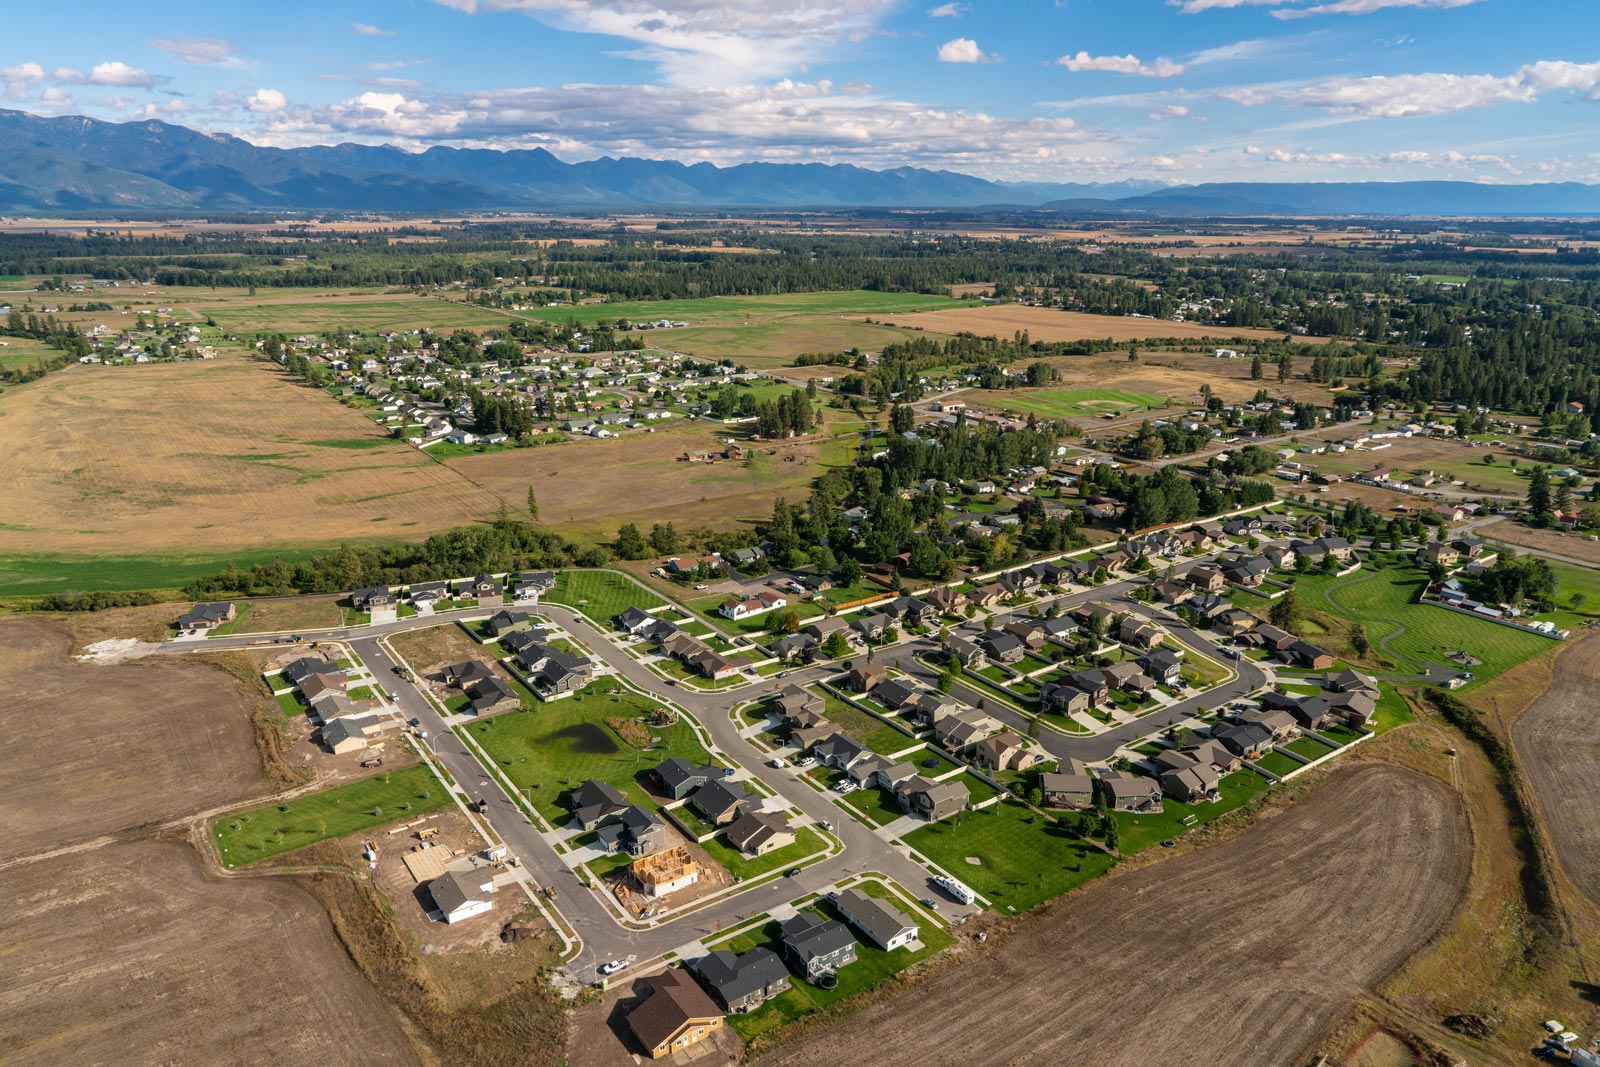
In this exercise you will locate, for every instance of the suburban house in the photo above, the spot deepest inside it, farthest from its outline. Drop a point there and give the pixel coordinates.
(367, 599)
(1236, 622)
(742, 982)
(1002, 647)
(635, 621)
(1246, 740)
(635, 831)
(867, 678)
(719, 802)
(504, 621)
(531, 585)
(755, 833)
(679, 778)
(305, 667)
(462, 894)
(1004, 752)
(1250, 571)
(594, 802)
(663, 873)
(1186, 780)
(467, 674)
(1272, 637)
(1139, 633)
(1312, 657)
(1128, 678)
(676, 1015)
(871, 627)
(814, 946)
(492, 695)
(206, 617)
(963, 651)
(930, 800)
(896, 692)
(1208, 579)
(1064, 699)
(349, 733)
(839, 751)
(1069, 788)
(554, 671)
(884, 925)
(737, 608)
(1164, 666)
(315, 687)
(956, 732)
(1125, 792)
(1215, 753)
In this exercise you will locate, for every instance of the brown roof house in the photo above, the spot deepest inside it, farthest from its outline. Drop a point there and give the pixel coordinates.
(676, 1015)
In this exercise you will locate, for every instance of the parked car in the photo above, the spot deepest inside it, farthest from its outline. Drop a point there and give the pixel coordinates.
(613, 967)
(702, 586)
(791, 872)
(804, 761)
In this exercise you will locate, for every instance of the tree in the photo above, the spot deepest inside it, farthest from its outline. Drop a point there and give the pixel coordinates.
(1255, 367)
(836, 646)
(533, 507)
(1284, 612)
(1358, 639)
(1285, 365)
(664, 539)
(1133, 354)
(947, 680)
(630, 544)
(1539, 494)
(788, 621)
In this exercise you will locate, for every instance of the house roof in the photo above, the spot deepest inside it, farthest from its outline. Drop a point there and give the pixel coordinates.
(809, 936)
(734, 977)
(755, 828)
(675, 1001)
(677, 772)
(878, 920)
(454, 889)
(717, 796)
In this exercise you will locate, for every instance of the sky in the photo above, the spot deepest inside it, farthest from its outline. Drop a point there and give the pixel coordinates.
(1171, 91)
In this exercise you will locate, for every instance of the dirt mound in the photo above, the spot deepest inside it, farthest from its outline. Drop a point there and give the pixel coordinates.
(1237, 954)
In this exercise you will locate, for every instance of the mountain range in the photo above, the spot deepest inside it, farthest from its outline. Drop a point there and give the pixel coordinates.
(79, 164)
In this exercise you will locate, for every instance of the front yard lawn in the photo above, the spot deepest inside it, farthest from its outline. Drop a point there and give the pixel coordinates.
(1023, 859)
(346, 809)
(878, 805)
(551, 750)
(807, 843)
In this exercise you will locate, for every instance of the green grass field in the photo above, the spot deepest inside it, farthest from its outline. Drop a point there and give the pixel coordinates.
(1574, 581)
(347, 809)
(872, 967)
(1410, 634)
(872, 732)
(551, 750)
(42, 573)
(1023, 860)
(1066, 403)
(736, 310)
(601, 595)
(807, 843)
(320, 316)
(24, 352)
(878, 805)
(775, 344)
(1135, 833)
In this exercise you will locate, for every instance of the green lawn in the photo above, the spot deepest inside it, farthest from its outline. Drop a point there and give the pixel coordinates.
(872, 967)
(38, 574)
(1309, 747)
(1024, 860)
(1135, 833)
(871, 732)
(1410, 634)
(1342, 734)
(601, 595)
(1065, 403)
(807, 843)
(1570, 581)
(1278, 763)
(347, 809)
(291, 705)
(878, 805)
(549, 751)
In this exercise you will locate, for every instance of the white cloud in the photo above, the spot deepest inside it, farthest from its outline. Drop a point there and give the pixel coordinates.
(266, 101)
(165, 110)
(56, 99)
(1399, 96)
(201, 51)
(947, 11)
(1286, 10)
(22, 77)
(1170, 112)
(700, 42)
(1129, 64)
(961, 50)
(114, 72)
(362, 29)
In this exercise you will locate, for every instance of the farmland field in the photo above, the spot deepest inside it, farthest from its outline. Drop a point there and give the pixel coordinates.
(1048, 324)
(327, 312)
(742, 310)
(24, 352)
(204, 459)
(1065, 403)
(155, 739)
(775, 344)
(247, 836)
(1393, 843)
(131, 955)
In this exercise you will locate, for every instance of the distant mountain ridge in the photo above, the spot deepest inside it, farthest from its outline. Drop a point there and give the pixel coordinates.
(75, 163)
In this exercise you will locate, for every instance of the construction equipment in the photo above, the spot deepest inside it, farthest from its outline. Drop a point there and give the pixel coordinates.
(427, 833)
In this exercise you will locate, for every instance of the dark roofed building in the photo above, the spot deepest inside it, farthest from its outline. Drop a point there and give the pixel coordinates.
(814, 946)
(676, 1015)
(742, 982)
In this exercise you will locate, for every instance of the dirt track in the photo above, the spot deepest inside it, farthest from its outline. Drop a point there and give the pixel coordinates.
(128, 956)
(92, 750)
(1559, 750)
(1238, 954)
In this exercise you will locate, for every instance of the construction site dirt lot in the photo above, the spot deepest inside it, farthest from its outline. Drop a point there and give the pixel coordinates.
(210, 456)
(93, 750)
(1557, 746)
(1049, 324)
(1240, 953)
(129, 955)
(453, 838)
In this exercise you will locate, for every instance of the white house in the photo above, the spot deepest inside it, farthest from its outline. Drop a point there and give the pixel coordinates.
(885, 926)
(462, 894)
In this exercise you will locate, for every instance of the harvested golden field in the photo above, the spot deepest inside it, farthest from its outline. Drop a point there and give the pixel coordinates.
(96, 750)
(130, 955)
(1236, 954)
(207, 458)
(1048, 324)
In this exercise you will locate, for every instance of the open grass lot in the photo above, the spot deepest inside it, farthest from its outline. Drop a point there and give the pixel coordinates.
(289, 613)
(1135, 833)
(1065, 403)
(126, 745)
(872, 967)
(1048, 324)
(777, 343)
(590, 488)
(1023, 860)
(553, 749)
(1410, 634)
(601, 595)
(248, 836)
(83, 931)
(807, 843)
(742, 310)
(24, 352)
(222, 458)
(870, 731)
(327, 312)
(1222, 932)
(1581, 582)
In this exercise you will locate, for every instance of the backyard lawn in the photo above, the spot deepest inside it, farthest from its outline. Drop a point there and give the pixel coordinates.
(346, 809)
(553, 749)
(601, 595)
(1279, 764)
(807, 843)
(1022, 859)
(872, 967)
(1135, 833)
(1309, 747)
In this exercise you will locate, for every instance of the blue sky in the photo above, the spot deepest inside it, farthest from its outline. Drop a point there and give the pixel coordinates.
(1043, 90)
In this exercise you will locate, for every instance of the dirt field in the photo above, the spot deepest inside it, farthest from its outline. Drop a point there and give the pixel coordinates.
(1561, 544)
(207, 457)
(1237, 954)
(1047, 324)
(127, 955)
(93, 750)
(1556, 743)
(593, 488)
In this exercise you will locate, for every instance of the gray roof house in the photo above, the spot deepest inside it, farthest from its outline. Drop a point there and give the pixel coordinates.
(885, 926)
(813, 946)
(741, 982)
